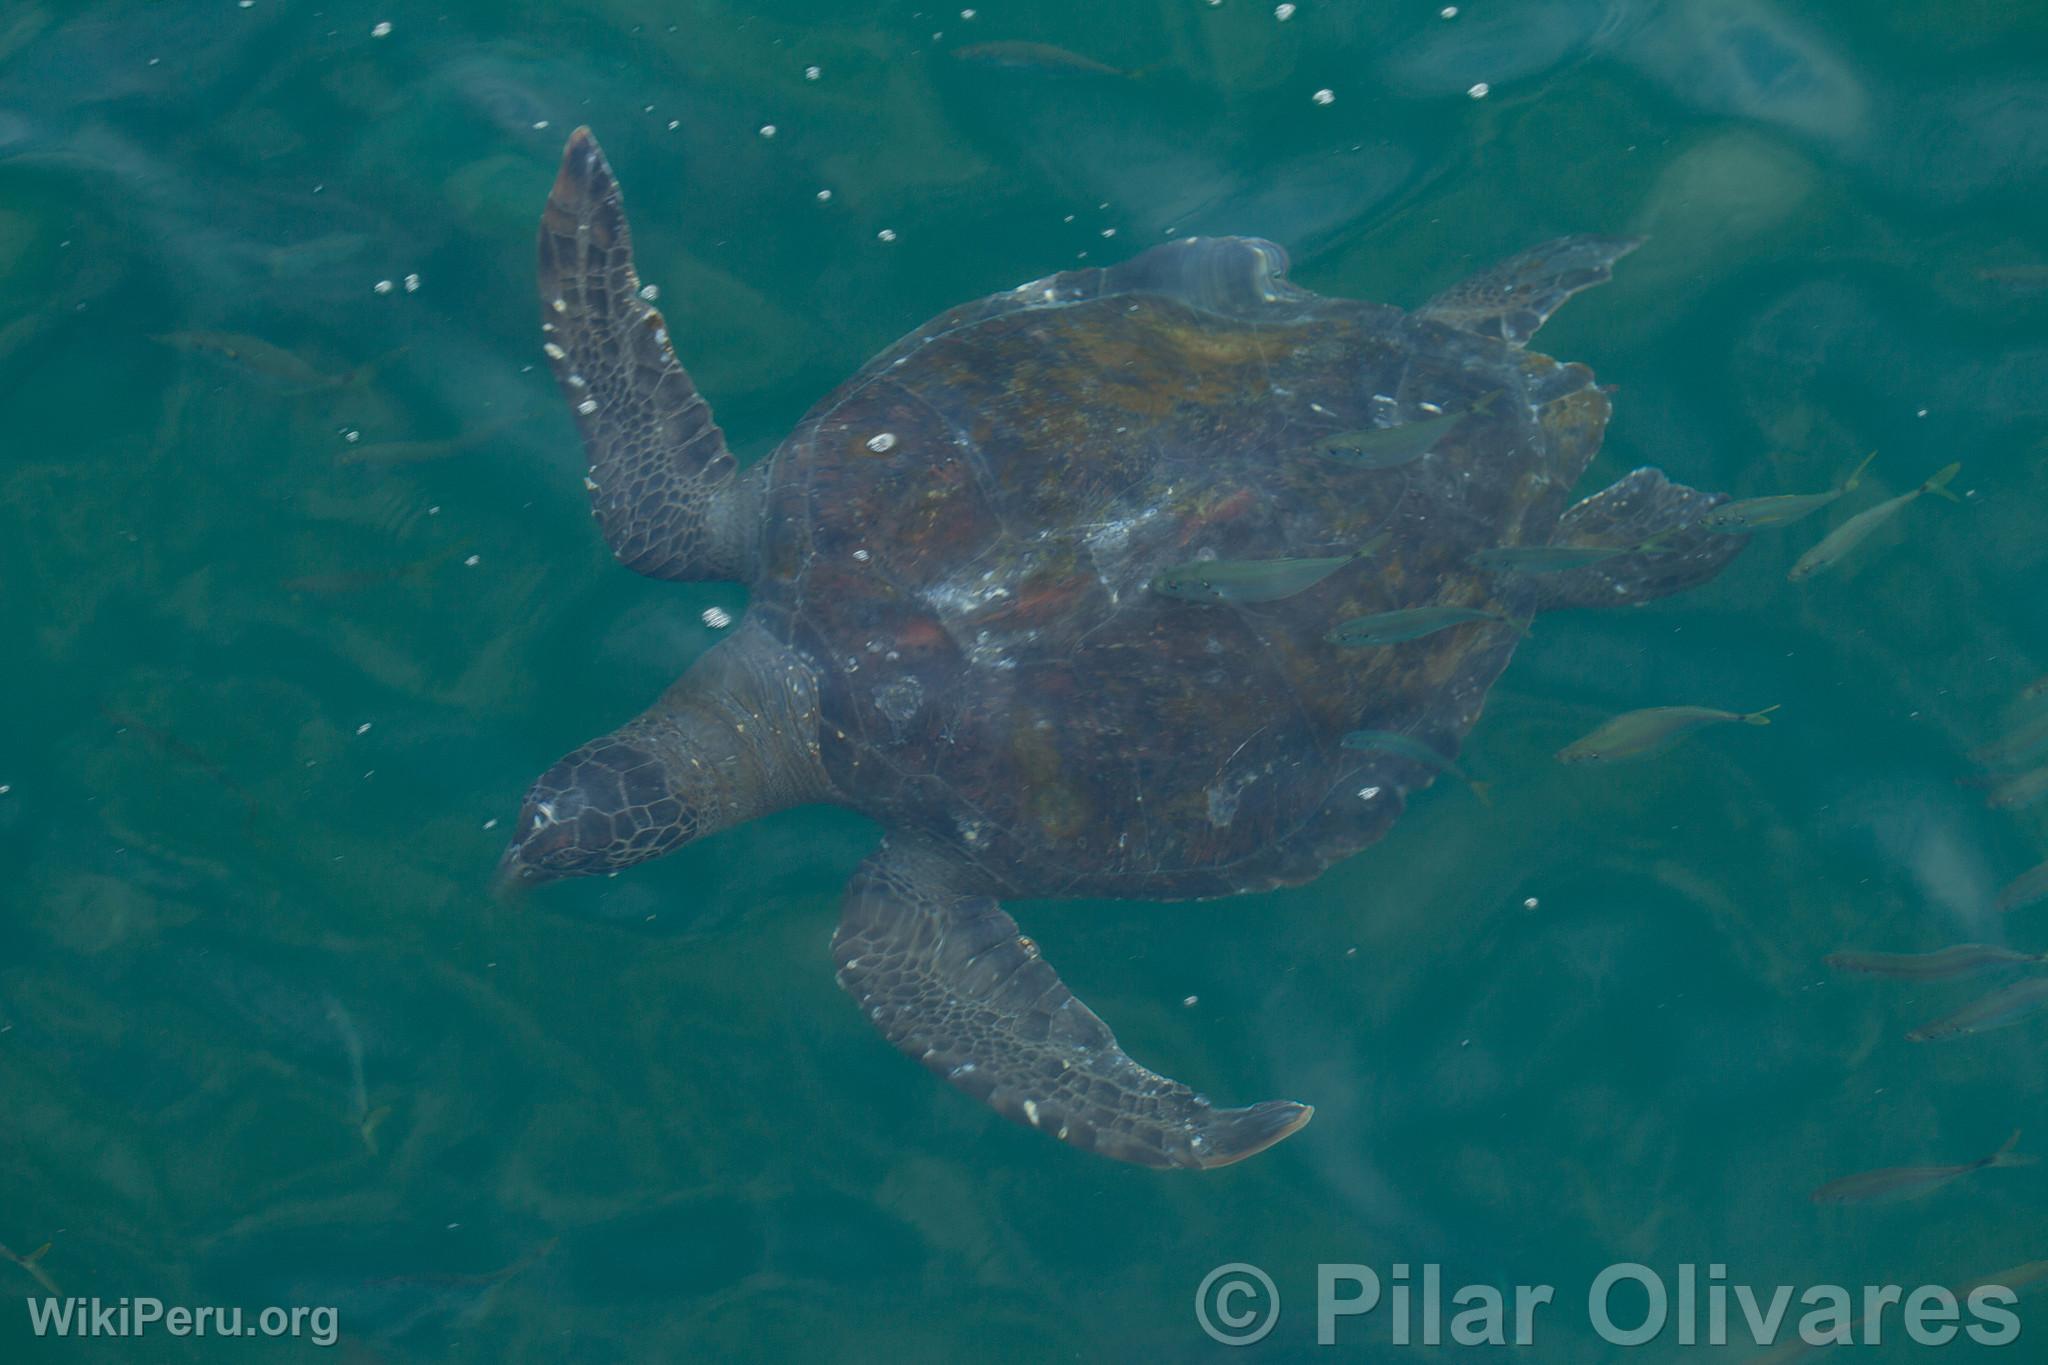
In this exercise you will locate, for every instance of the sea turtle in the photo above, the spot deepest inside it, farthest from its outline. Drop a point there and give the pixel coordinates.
(953, 626)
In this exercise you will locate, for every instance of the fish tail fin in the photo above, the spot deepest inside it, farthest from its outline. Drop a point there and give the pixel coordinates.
(2007, 1156)
(1762, 717)
(1850, 484)
(1372, 545)
(1139, 73)
(1484, 791)
(37, 1254)
(1938, 482)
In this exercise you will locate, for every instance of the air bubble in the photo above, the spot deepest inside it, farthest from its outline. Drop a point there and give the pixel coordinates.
(767, 130)
(382, 29)
(1480, 91)
(412, 284)
(381, 287)
(1325, 96)
(824, 196)
(882, 441)
(718, 618)
(1283, 12)
(812, 73)
(650, 292)
(886, 235)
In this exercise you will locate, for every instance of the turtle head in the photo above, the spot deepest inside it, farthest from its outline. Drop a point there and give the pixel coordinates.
(736, 737)
(610, 804)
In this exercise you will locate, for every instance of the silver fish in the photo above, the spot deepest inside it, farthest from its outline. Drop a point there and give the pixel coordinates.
(2025, 889)
(1950, 964)
(1995, 1011)
(1407, 746)
(1392, 627)
(2016, 747)
(1900, 1183)
(1548, 558)
(1751, 514)
(1389, 447)
(2020, 789)
(1857, 529)
(1251, 580)
(1638, 734)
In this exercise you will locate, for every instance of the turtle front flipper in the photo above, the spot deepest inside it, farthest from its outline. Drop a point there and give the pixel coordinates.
(667, 493)
(1644, 509)
(945, 975)
(1512, 300)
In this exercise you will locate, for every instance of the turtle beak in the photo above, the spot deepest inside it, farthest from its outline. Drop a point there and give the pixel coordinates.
(513, 877)
(521, 866)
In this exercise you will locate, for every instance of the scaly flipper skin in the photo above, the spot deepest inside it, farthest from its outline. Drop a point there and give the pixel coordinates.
(1512, 300)
(947, 978)
(1644, 507)
(668, 495)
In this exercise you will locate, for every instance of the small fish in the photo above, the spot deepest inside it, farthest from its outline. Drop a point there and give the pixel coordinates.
(369, 1123)
(1392, 627)
(1023, 56)
(1641, 733)
(1857, 529)
(2021, 789)
(1950, 964)
(1388, 447)
(1901, 1183)
(1753, 514)
(422, 452)
(358, 580)
(31, 1263)
(2016, 747)
(2030, 276)
(1994, 1011)
(257, 356)
(1548, 558)
(1252, 580)
(2027, 888)
(445, 1280)
(1407, 746)
(2014, 1278)
(317, 255)
(367, 1119)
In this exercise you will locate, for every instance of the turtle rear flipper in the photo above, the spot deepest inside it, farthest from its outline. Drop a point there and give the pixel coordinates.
(667, 493)
(1643, 509)
(1518, 296)
(948, 979)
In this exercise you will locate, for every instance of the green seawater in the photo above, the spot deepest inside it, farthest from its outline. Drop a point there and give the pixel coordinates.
(261, 707)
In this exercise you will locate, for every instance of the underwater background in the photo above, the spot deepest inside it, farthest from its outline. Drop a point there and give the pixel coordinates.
(285, 627)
